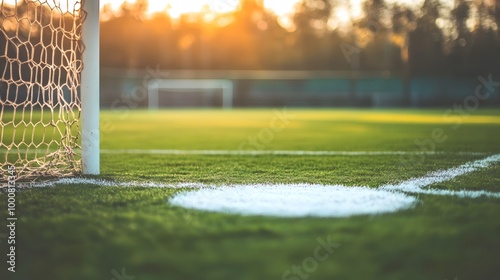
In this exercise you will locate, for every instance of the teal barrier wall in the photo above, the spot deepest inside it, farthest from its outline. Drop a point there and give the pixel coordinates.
(310, 92)
(375, 92)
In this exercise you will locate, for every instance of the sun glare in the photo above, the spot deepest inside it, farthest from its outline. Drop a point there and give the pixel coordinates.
(178, 7)
(284, 9)
(175, 8)
(342, 15)
(281, 7)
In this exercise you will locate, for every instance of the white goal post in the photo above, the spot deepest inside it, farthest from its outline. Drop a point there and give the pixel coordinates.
(49, 89)
(156, 86)
(90, 90)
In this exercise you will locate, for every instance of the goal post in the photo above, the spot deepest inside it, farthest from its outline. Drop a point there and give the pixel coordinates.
(90, 89)
(157, 86)
(49, 88)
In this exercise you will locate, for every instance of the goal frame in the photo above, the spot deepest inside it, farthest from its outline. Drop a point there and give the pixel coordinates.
(90, 89)
(155, 85)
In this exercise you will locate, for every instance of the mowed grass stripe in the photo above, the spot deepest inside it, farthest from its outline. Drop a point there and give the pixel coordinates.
(287, 153)
(301, 130)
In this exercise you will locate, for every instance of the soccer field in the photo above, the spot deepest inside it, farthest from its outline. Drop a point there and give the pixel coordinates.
(127, 228)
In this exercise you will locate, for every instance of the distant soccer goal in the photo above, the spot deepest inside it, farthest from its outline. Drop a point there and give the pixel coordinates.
(200, 86)
(49, 89)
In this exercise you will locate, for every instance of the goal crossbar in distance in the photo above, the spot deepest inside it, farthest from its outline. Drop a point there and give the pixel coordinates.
(155, 85)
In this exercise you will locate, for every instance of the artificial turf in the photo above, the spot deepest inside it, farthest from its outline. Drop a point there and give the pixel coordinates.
(92, 232)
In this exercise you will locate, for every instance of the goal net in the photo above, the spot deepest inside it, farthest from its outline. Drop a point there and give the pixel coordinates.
(41, 66)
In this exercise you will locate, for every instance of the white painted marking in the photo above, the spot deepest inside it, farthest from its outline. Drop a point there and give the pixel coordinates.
(417, 185)
(299, 200)
(326, 201)
(295, 200)
(107, 183)
(283, 152)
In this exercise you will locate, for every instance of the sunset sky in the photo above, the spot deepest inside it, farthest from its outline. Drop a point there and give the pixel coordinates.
(283, 8)
(279, 7)
(178, 7)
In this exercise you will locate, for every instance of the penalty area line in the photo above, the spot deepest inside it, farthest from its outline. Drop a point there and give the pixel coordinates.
(418, 185)
(414, 185)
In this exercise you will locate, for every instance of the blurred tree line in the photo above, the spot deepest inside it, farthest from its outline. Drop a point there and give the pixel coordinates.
(431, 39)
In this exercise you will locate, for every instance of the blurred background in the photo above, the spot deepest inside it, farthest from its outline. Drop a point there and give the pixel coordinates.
(369, 53)
(298, 53)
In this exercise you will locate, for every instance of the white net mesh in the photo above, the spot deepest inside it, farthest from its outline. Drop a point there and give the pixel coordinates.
(40, 68)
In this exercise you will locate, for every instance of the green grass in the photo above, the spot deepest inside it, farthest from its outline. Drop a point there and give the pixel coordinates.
(86, 232)
(305, 130)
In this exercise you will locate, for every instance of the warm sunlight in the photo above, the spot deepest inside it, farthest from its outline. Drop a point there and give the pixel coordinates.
(174, 7)
(344, 12)
(178, 7)
(281, 7)
(342, 15)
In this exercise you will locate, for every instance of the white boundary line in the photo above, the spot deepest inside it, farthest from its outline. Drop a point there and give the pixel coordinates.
(283, 152)
(415, 185)
(108, 183)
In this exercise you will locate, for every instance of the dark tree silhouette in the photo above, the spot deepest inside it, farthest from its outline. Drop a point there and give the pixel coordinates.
(426, 42)
(387, 37)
